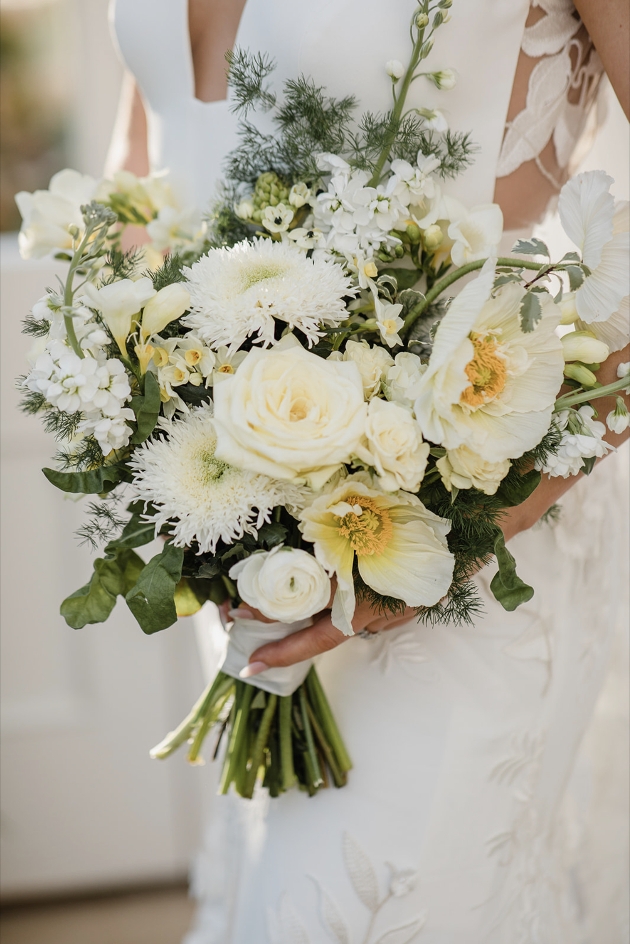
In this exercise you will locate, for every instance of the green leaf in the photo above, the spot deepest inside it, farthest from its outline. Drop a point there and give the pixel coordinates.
(405, 278)
(506, 278)
(136, 533)
(588, 465)
(194, 395)
(506, 585)
(576, 277)
(151, 600)
(531, 247)
(531, 312)
(571, 257)
(272, 534)
(146, 408)
(515, 488)
(96, 482)
(94, 602)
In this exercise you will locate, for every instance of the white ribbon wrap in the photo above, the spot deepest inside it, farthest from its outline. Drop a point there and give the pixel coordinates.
(247, 635)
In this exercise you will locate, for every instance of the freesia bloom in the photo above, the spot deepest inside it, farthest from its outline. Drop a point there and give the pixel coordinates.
(169, 304)
(239, 292)
(489, 385)
(118, 303)
(589, 218)
(462, 468)
(584, 346)
(393, 446)
(285, 584)
(48, 215)
(399, 546)
(289, 414)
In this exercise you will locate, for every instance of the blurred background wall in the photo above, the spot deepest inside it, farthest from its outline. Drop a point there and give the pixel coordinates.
(81, 805)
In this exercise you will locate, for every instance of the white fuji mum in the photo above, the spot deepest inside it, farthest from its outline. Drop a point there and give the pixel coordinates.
(239, 292)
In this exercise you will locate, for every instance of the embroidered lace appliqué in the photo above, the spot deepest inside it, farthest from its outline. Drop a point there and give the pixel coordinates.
(569, 68)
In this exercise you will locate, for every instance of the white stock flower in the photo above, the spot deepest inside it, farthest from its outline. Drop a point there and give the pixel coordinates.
(477, 234)
(489, 385)
(118, 302)
(110, 432)
(393, 446)
(463, 468)
(176, 228)
(373, 363)
(600, 231)
(285, 584)
(582, 438)
(203, 498)
(167, 305)
(239, 292)
(399, 546)
(622, 371)
(277, 219)
(618, 419)
(72, 383)
(413, 184)
(48, 215)
(290, 414)
(401, 381)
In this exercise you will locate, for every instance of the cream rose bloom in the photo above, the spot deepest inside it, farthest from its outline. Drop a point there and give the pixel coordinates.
(400, 383)
(399, 545)
(489, 385)
(373, 364)
(289, 414)
(463, 468)
(393, 446)
(285, 584)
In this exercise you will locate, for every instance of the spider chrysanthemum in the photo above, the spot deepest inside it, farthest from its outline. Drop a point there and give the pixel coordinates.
(239, 292)
(203, 499)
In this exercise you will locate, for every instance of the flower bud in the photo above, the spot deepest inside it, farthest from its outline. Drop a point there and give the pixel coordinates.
(144, 353)
(395, 69)
(584, 346)
(618, 419)
(170, 303)
(445, 79)
(581, 374)
(567, 308)
(413, 233)
(432, 237)
(245, 210)
(422, 20)
(299, 195)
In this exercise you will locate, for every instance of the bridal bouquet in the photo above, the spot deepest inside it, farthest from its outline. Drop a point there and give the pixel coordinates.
(293, 394)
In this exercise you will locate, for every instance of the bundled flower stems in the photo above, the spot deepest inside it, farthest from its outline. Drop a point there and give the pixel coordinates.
(297, 394)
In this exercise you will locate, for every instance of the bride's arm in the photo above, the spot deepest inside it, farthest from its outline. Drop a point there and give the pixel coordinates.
(608, 25)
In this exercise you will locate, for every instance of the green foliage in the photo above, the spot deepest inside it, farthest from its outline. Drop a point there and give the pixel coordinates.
(506, 585)
(152, 598)
(36, 327)
(94, 602)
(531, 311)
(146, 408)
(551, 517)
(136, 533)
(121, 265)
(81, 456)
(530, 247)
(247, 76)
(516, 487)
(94, 482)
(170, 271)
(405, 279)
(102, 523)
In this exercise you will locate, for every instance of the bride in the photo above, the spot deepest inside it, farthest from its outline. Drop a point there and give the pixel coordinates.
(458, 838)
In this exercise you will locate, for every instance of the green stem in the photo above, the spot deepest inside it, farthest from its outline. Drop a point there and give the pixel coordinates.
(327, 720)
(259, 745)
(286, 743)
(310, 744)
(183, 731)
(244, 695)
(572, 399)
(338, 775)
(459, 273)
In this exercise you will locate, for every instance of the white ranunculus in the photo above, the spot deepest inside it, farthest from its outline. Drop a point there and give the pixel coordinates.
(477, 234)
(489, 385)
(118, 303)
(583, 346)
(600, 231)
(393, 446)
(401, 381)
(170, 303)
(373, 364)
(48, 215)
(285, 584)
(462, 468)
(289, 414)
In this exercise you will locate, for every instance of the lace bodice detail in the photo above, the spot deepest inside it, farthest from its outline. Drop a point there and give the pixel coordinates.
(561, 92)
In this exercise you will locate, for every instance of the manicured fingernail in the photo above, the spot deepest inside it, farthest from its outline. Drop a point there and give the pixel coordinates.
(240, 613)
(254, 668)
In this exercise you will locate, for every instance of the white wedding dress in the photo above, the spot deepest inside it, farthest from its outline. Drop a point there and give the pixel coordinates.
(456, 826)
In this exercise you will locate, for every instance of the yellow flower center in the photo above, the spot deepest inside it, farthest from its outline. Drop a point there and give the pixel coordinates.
(225, 369)
(486, 372)
(192, 356)
(368, 532)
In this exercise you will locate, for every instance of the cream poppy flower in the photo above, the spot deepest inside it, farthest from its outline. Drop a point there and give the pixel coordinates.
(489, 385)
(600, 231)
(399, 546)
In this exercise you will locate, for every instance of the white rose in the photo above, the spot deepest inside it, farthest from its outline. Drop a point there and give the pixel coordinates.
(402, 378)
(463, 468)
(48, 215)
(394, 447)
(373, 364)
(289, 414)
(285, 584)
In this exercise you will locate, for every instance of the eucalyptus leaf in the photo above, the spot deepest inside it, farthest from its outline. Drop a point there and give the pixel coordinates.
(531, 247)
(96, 482)
(506, 585)
(531, 312)
(151, 600)
(146, 408)
(94, 602)
(136, 533)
